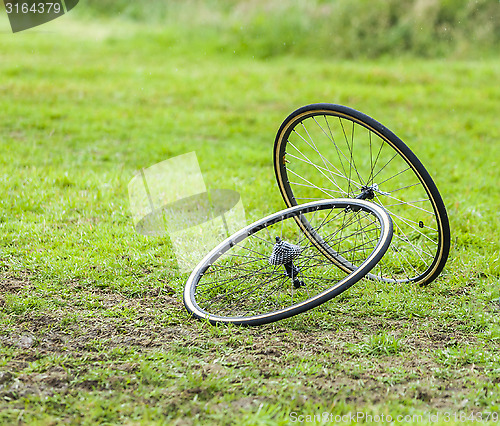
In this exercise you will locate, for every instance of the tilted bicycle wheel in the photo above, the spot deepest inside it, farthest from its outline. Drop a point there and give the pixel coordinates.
(325, 151)
(270, 270)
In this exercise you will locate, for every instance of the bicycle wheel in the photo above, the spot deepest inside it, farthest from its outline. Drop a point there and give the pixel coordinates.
(325, 151)
(270, 270)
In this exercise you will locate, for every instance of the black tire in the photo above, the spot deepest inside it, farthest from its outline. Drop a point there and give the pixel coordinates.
(243, 281)
(327, 151)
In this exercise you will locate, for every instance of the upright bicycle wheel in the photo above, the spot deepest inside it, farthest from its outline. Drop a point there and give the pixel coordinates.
(271, 270)
(325, 151)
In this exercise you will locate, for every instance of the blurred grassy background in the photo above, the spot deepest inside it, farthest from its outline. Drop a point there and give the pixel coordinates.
(324, 28)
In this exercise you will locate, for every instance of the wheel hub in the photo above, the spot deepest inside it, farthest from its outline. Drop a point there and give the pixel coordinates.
(283, 254)
(368, 192)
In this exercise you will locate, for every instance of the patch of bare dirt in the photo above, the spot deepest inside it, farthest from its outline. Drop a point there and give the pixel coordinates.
(14, 285)
(77, 332)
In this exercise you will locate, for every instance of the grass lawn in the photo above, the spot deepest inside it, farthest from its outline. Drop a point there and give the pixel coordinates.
(92, 325)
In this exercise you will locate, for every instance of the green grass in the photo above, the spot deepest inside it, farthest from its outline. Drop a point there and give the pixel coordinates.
(322, 28)
(92, 327)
